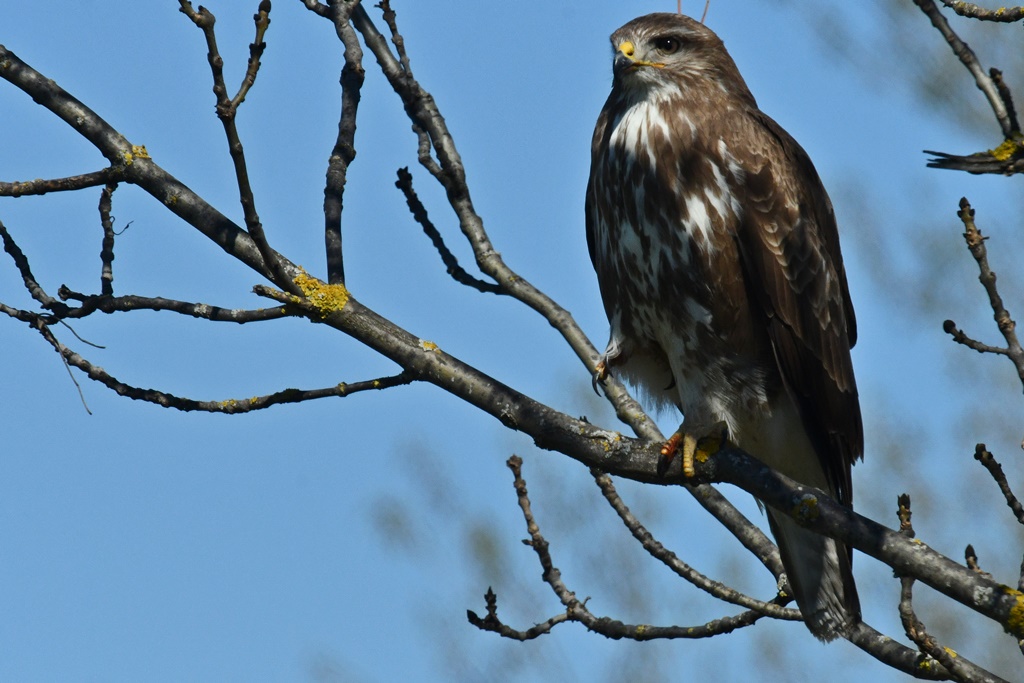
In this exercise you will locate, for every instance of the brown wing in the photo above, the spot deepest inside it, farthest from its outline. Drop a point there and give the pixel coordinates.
(794, 270)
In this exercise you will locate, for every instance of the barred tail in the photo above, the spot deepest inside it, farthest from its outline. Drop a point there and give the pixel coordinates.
(821, 577)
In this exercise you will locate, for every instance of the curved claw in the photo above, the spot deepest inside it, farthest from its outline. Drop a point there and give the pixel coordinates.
(599, 376)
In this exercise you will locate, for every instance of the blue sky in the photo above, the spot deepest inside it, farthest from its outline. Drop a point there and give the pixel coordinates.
(343, 540)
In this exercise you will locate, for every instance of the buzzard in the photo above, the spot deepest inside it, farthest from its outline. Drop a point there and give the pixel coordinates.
(718, 259)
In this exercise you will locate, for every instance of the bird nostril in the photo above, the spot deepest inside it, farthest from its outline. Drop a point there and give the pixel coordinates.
(627, 48)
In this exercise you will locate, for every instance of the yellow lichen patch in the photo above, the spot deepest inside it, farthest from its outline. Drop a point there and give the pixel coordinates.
(641, 629)
(1015, 620)
(228, 404)
(950, 651)
(806, 508)
(706, 447)
(1006, 150)
(140, 152)
(325, 298)
(428, 345)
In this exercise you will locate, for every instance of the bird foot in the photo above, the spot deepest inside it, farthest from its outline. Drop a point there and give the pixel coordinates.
(693, 448)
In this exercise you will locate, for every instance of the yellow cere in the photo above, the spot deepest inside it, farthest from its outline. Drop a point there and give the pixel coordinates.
(325, 298)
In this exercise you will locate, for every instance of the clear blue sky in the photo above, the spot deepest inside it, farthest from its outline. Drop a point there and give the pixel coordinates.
(335, 541)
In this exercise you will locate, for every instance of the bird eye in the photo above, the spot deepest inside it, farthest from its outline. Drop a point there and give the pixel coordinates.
(666, 45)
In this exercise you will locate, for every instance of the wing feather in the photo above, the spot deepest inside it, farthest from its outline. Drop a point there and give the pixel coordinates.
(789, 247)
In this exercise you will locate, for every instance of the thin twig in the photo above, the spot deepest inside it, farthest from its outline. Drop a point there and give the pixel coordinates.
(344, 152)
(970, 60)
(256, 48)
(958, 668)
(48, 336)
(419, 214)
(229, 406)
(976, 245)
(77, 182)
(682, 569)
(131, 302)
(982, 455)
(576, 610)
(226, 110)
(491, 622)
(107, 246)
(1007, 15)
(960, 337)
(31, 284)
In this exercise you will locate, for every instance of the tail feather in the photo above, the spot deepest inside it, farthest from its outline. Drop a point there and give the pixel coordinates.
(821, 577)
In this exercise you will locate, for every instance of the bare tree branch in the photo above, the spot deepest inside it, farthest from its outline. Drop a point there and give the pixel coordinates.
(344, 152)
(982, 455)
(976, 245)
(230, 406)
(576, 610)
(107, 247)
(226, 111)
(77, 182)
(683, 570)
(958, 668)
(328, 302)
(1008, 157)
(1007, 15)
(967, 57)
(419, 213)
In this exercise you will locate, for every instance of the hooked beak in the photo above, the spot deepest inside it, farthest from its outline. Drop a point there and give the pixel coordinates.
(626, 58)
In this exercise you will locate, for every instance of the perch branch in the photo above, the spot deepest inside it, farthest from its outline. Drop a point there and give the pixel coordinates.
(422, 110)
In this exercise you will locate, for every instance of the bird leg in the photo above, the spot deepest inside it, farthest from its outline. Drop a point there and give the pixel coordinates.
(693, 447)
(611, 353)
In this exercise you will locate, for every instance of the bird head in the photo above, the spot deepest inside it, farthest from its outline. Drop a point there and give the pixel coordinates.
(663, 48)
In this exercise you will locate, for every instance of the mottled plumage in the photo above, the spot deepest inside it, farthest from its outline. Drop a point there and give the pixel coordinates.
(718, 259)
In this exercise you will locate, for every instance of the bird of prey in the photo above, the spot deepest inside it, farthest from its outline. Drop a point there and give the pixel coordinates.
(718, 259)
